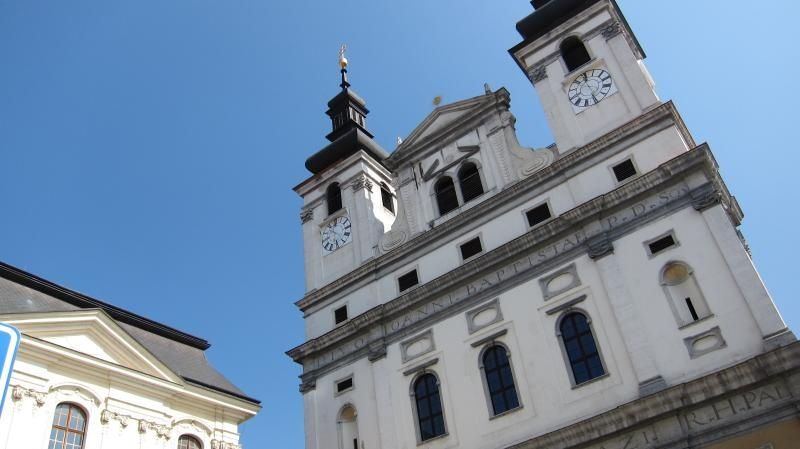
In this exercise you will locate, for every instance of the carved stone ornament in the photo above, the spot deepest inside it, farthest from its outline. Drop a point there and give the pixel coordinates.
(160, 430)
(600, 247)
(18, 392)
(706, 200)
(538, 73)
(306, 215)
(612, 30)
(362, 182)
(216, 444)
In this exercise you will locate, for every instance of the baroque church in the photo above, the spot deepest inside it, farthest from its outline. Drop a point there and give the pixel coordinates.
(468, 292)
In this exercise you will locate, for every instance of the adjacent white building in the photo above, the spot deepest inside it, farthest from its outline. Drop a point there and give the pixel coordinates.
(467, 292)
(90, 375)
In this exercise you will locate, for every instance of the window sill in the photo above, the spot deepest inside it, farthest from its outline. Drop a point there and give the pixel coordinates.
(506, 413)
(688, 325)
(596, 379)
(442, 436)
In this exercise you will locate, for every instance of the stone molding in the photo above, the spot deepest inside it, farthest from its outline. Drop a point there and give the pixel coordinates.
(362, 182)
(554, 171)
(306, 215)
(19, 392)
(216, 444)
(538, 73)
(612, 29)
(566, 237)
(719, 405)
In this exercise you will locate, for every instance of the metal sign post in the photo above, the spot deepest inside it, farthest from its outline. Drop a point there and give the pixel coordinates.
(9, 343)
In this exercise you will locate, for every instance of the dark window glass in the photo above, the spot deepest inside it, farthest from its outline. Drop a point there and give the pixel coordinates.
(661, 244)
(69, 428)
(334, 198)
(538, 214)
(188, 442)
(446, 197)
(340, 314)
(407, 280)
(470, 181)
(386, 198)
(499, 380)
(624, 170)
(344, 385)
(574, 53)
(429, 407)
(471, 248)
(581, 348)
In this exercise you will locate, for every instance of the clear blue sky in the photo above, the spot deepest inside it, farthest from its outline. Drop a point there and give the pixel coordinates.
(148, 148)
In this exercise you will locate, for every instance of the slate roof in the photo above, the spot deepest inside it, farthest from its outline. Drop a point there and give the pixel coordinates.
(184, 354)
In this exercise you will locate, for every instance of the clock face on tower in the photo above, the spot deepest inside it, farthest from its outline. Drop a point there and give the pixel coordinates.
(336, 234)
(589, 88)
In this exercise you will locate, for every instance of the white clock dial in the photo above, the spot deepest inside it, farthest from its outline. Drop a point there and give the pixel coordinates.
(336, 234)
(590, 88)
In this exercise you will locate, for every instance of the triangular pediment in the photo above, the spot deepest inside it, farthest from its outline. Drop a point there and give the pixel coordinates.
(93, 333)
(443, 120)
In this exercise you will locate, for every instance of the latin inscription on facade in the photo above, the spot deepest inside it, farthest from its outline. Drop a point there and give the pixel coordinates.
(509, 271)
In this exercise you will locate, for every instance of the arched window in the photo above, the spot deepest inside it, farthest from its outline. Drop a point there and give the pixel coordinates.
(446, 198)
(580, 347)
(189, 442)
(334, 198)
(428, 405)
(470, 181)
(387, 198)
(499, 379)
(686, 299)
(69, 427)
(348, 428)
(574, 53)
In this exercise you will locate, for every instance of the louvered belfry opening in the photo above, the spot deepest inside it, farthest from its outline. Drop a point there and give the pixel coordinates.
(470, 181)
(446, 198)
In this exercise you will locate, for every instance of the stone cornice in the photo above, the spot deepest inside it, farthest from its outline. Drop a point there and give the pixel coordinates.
(567, 236)
(676, 405)
(566, 164)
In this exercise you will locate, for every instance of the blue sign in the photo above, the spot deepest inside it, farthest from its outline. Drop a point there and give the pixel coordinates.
(9, 342)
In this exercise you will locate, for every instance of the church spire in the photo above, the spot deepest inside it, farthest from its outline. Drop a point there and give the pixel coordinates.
(347, 110)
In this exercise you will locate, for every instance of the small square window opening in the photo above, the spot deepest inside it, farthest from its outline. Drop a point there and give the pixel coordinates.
(661, 244)
(344, 385)
(471, 248)
(538, 214)
(624, 170)
(340, 314)
(407, 280)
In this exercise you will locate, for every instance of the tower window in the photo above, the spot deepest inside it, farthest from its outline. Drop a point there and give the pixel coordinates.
(446, 198)
(344, 385)
(661, 244)
(340, 314)
(428, 405)
(624, 170)
(387, 198)
(499, 380)
(580, 348)
(686, 299)
(407, 280)
(69, 427)
(574, 53)
(471, 248)
(333, 197)
(538, 214)
(470, 181)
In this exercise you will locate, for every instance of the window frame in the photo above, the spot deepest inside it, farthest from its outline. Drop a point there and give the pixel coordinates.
(565, 354)
(456, 194)
(405, 272)
(328, 191)
(478, 237)
(647, 243)
(384, 188)
(485, 381)
(413, 396)
(579, 38)
(478, 173)
(190, 437)
(636, 175)
(346, 311)
(67, 430)
(546, 202)
(336, 383)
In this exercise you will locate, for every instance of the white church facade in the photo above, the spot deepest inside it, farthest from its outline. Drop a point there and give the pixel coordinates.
(89, 375)
(467, 292)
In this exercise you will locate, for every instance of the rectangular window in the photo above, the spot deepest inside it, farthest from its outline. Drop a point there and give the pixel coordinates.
(407, 280)
(344, 385)
(661, 244)
(387, 199)
(624, 170)
(340, 314)
(538, 214)
(471, 248)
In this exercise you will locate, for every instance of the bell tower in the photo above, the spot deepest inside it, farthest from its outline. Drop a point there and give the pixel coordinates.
(347, 202)
(586, 66)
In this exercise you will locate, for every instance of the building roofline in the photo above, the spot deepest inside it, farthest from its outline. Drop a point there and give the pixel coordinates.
(34, 282)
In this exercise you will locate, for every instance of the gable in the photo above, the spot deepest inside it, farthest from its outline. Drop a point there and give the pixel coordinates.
(93, 333)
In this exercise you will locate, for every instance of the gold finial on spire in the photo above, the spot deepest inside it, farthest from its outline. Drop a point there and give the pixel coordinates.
(437, 100)
(342, 59)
